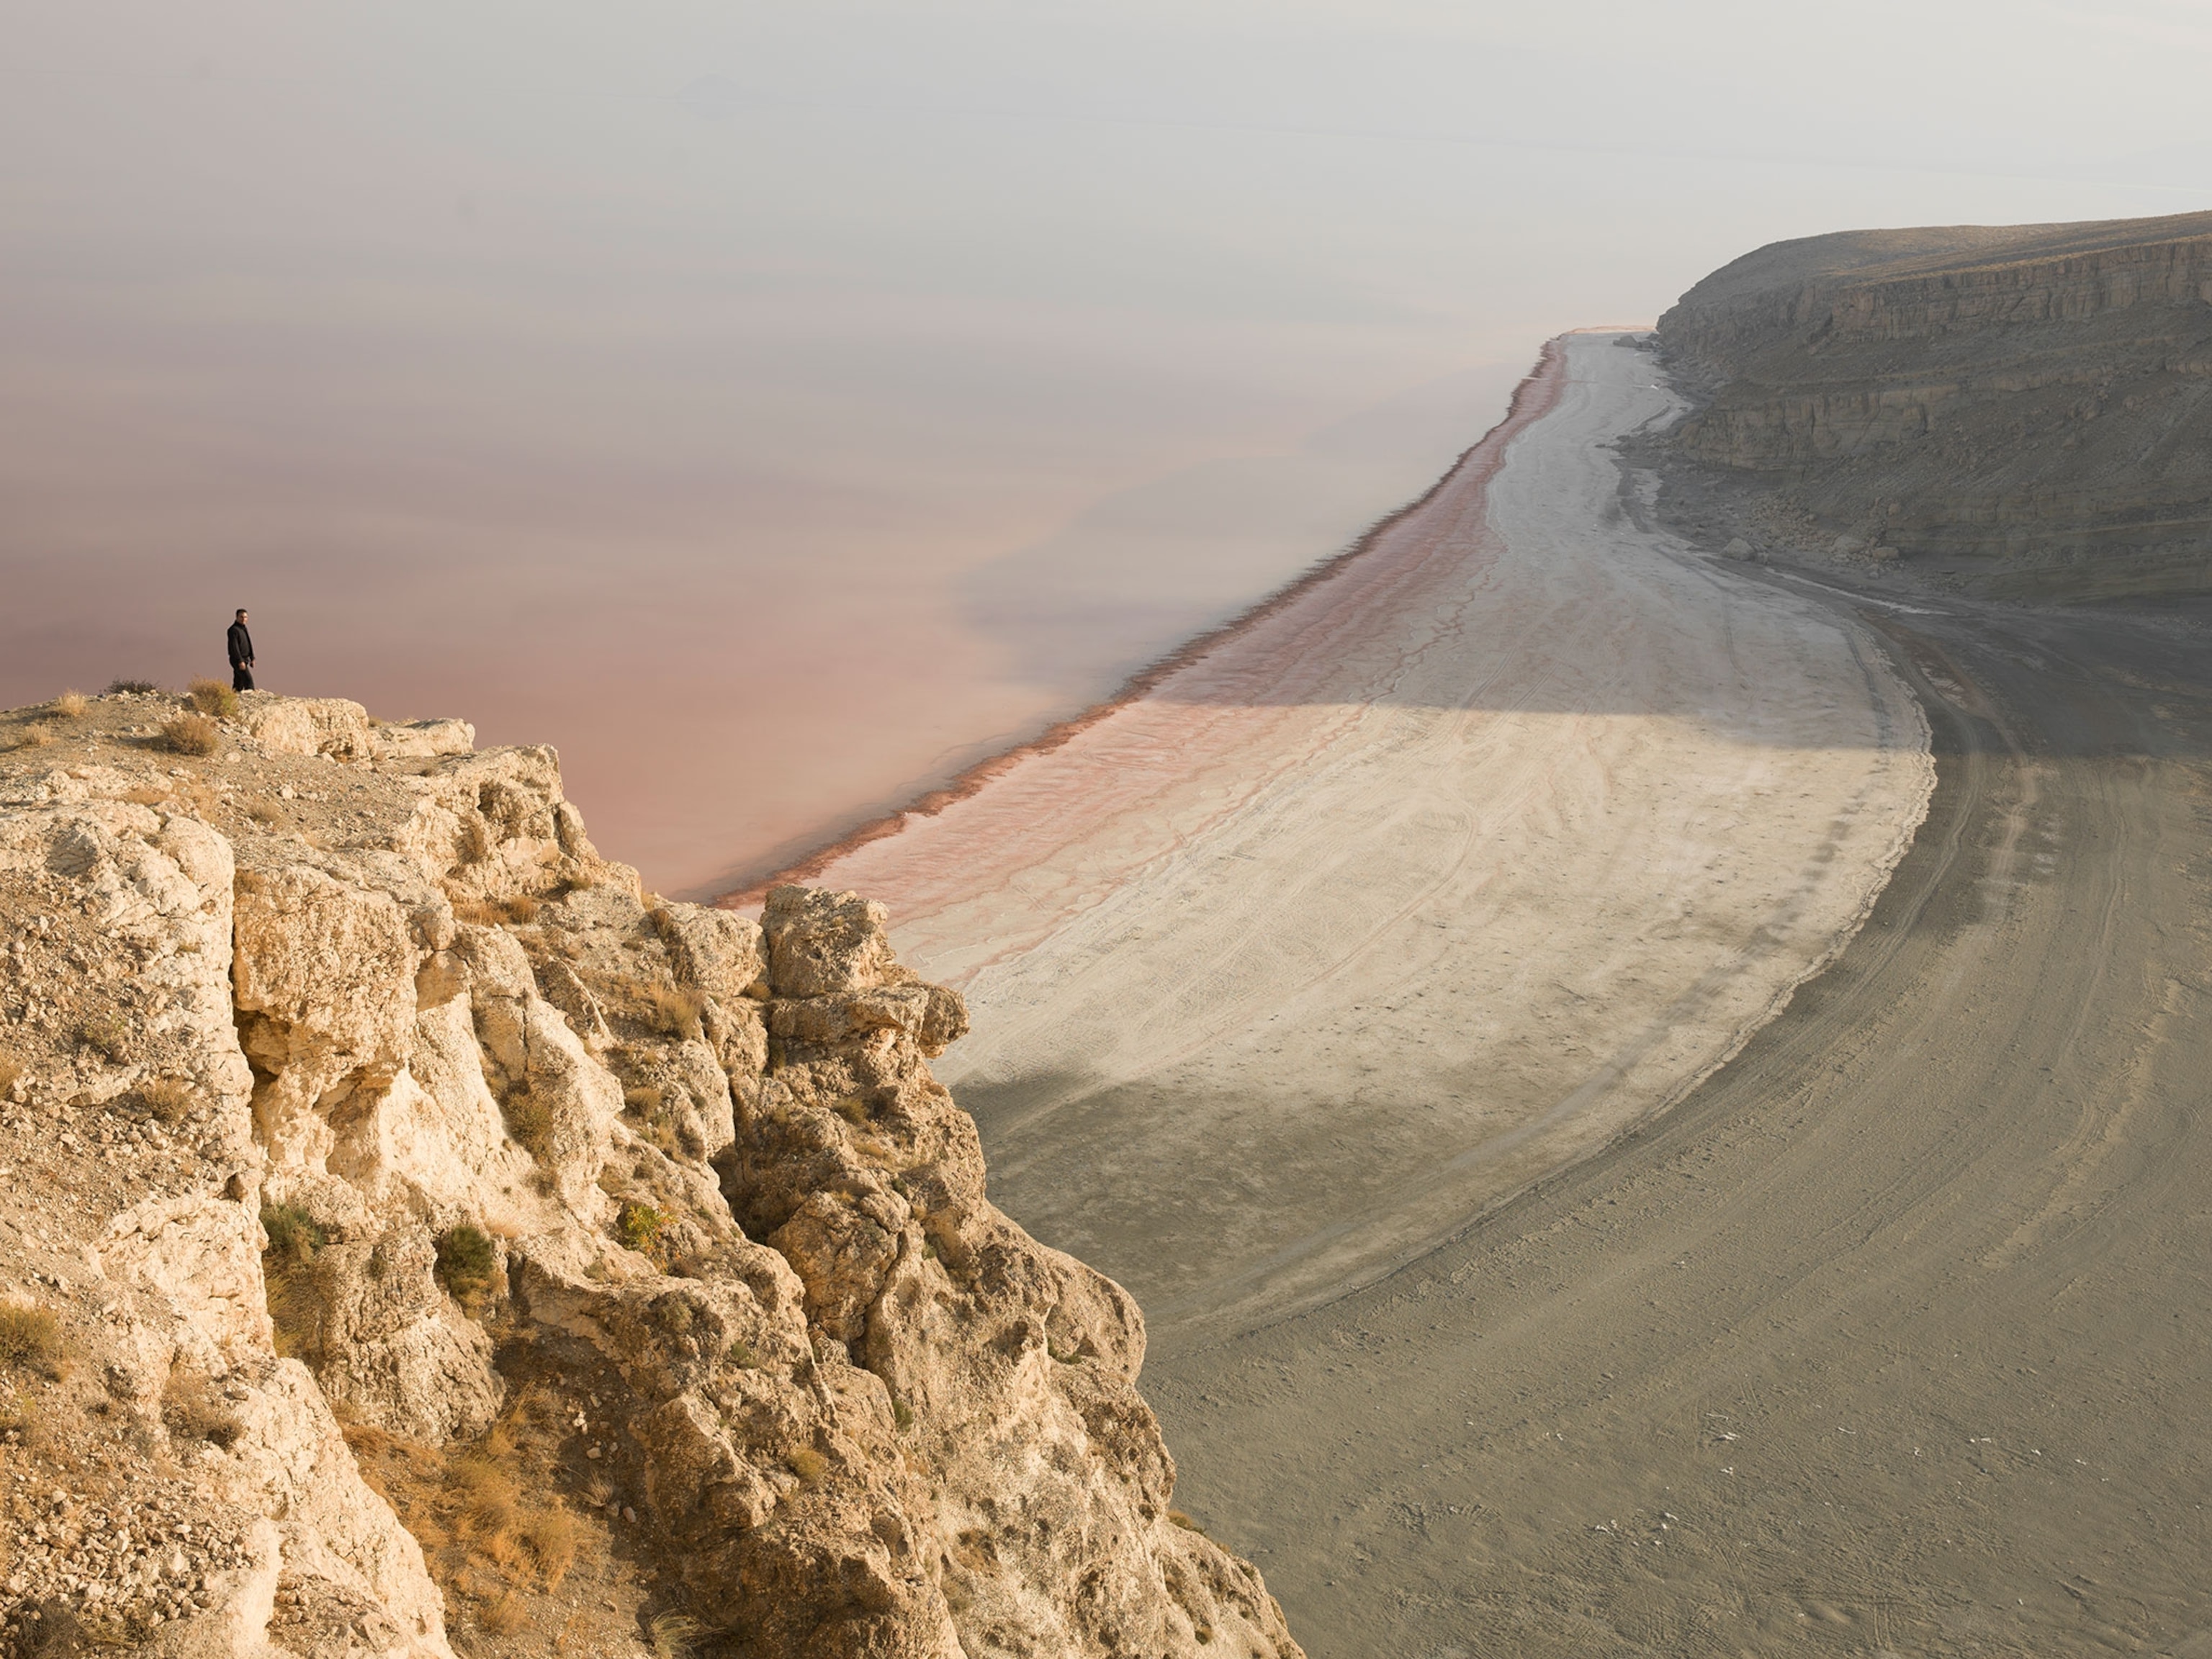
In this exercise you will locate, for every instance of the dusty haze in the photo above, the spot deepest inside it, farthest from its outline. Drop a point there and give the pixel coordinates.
(782, 408)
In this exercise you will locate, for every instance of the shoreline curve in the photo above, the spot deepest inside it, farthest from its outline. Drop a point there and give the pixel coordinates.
(1533, 397)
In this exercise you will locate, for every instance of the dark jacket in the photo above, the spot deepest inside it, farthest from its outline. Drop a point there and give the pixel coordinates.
(242, 646)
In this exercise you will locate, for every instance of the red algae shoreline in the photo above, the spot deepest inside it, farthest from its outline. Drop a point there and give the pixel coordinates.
(1534, 397)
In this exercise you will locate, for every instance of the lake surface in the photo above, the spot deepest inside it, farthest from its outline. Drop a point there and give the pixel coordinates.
(776, 413)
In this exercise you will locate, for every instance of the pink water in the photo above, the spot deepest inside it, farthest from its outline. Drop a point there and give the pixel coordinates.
(777, 411)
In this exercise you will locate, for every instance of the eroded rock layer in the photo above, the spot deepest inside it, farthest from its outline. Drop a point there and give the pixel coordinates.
(414, 1229)
(2026, 409)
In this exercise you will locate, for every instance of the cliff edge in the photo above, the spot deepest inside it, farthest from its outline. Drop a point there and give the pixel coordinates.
(411, 1233)
(2023, 410)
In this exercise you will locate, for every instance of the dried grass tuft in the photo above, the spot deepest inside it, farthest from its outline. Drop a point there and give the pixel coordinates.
(529, 1120)
(30, 1337)
(194, 1409)
(468, 1265)
(675, 1636)
(191, 734)
(547, 1537)
(516, 1533)
(71, 705)
(676, 1012)
(505, 1617)
(212, 697)
(294, 1235)
(169, 1099)
(519, 911)
(107, 1035)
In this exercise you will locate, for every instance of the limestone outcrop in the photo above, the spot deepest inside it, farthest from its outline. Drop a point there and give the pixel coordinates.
(413, 1230)
(2023, 409)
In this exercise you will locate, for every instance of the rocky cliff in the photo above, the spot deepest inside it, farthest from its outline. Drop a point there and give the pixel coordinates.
(2023, 409)
(411, 1233)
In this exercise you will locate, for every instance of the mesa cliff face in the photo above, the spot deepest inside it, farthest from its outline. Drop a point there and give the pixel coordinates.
(413, 1230)
(2027, 409)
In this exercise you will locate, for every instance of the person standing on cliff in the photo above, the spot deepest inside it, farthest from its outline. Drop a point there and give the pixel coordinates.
(241, 656)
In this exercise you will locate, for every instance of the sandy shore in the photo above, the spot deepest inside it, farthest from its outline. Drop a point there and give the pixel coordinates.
(1429, 881)
(1889, 1338)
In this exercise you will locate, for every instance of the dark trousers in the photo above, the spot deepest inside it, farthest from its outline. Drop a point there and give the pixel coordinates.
(241, 677)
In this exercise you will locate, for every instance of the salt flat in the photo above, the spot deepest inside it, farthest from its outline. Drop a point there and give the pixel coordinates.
(1427, 883)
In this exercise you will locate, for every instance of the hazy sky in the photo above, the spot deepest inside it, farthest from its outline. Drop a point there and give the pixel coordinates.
(772, 407)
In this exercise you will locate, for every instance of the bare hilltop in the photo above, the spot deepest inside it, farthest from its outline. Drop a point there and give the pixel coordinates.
(2021, 410)
(412, 1235)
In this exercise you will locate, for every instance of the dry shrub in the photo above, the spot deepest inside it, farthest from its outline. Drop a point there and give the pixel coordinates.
(529, 1120)
(674, 1636)
(493, 912)
(212, 697)
(36, 737)
(809, 1465)
(71, 705)
(676, 1012)
(191, 734)
(1186, 1522)
(645, 1100)
(11, 1072)
(170, 1099)
(140, 687)
(193, 1407)
(295, 1307)
(30, 1337)
(294, 1235)
(468, 1265)
(518, 1534)
(638, 1225)
(107, 1035)
(485, 1514)
(505, 1617)
(547, 1537)
(490, 1500)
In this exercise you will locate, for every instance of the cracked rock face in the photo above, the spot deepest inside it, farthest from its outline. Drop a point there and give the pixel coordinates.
(398, 1121)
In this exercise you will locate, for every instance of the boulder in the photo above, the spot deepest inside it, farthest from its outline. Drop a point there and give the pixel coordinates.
(306, 726)
(719, 951)
(421, 739)
(824, 944)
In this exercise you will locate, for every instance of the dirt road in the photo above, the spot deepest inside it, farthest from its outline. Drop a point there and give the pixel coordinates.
(1892, 1338)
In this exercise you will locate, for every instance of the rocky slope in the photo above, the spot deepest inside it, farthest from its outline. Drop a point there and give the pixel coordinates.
(413, 1236)
(2023, 409)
